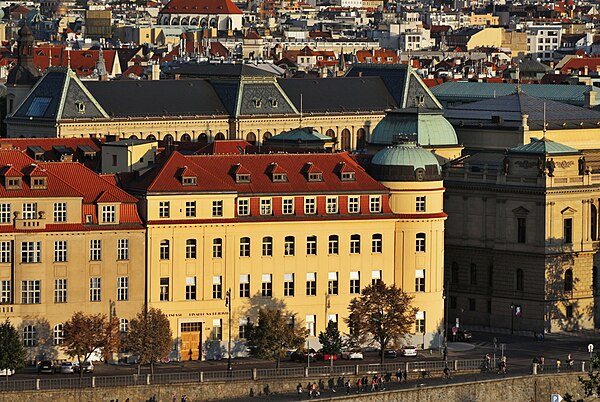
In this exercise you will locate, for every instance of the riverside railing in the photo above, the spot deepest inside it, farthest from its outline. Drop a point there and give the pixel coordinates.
(413, 369)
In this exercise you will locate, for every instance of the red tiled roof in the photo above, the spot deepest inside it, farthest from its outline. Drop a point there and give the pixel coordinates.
(201, 7)
(224, 147)
(591, 63)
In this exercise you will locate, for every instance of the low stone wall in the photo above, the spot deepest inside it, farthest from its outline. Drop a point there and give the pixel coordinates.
(517, 389)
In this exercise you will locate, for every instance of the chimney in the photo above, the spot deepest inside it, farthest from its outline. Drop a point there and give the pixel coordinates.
(524, 124)
(155, 76)
(585, 70)
(590, 98)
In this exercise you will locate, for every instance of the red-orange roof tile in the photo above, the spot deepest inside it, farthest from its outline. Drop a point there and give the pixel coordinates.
(201, 7)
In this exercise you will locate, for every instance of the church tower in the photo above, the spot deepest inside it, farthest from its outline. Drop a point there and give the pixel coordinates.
(25, 74)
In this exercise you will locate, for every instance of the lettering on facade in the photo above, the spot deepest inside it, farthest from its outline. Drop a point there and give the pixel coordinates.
(564, 164)
(197, 314)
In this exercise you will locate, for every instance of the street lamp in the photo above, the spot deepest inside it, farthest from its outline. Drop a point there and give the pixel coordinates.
(512, 318)
(228, 305)
(446, 297)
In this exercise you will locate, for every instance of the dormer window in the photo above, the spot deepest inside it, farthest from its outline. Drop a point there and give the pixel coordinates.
(348, 176)
(242, 178)
(38, 183)
(80, 107)
(189, 181)
(279, 178)
(316, 176)
(274, 103)
(13, 183)
(257, 103)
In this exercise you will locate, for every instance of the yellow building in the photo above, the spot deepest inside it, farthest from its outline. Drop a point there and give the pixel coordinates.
(70, 241)
(484, 19)
(300, 232)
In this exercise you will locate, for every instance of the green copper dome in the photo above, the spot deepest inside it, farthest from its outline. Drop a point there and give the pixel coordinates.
(427, 128)
(405, 162)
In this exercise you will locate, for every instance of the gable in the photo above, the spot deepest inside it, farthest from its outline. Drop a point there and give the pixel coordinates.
(263, 98)
(78, 103)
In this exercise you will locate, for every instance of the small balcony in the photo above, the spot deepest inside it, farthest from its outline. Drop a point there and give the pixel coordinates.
(37, 223)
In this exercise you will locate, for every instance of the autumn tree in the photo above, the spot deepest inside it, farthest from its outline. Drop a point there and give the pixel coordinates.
(150, 337)
(382, 315)
(12, 354)
(331, 340)
(85, 335)
(275, 332)
(590, 383)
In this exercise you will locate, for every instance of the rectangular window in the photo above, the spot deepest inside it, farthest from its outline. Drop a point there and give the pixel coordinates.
(164, 209)
(190, 288)
(5, 292)
(245, 247)
(95, 250)
(420, 322)
(122, 288)
(289, 246)
(353, 205)
(190, 209)
(60, 251)
(288, 284)
(267, 246)
(310, 206)
(60, 212)
(354, 282)
(521, 230)
(30, 210)
(420, 243)
(267, 285)
(332, 205)
(355, 244)
(376, 243)
(472, 304)
(420, 204)
(311, 284)
(109, 214)
(31, 251)
(243, 328)
(311, 325)
(333, 245)
(287, 206)
(453, 302)
(190, 249)
(568, 230)
(123, 249)
(217, 208)
(569, 311)
(95, 289)
(4, 213)
(375, 204)
(311, 245)
(5, 252)
(217, 331)
(420, 280)
(243, 206)
(30, 292)
(375, 277)
(332, 283)
(244, 285)
(265, 206)
(164, 289)
(217, 288)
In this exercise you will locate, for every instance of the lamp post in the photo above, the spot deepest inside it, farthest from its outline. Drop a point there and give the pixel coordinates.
(228, 305)
(446, 297)
(512, 318)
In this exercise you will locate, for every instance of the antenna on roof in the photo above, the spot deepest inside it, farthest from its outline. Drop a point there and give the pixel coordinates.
(544, 128)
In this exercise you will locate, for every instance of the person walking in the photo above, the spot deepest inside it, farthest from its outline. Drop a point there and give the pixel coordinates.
(299, 390)
(331, 385)
(541, 364)
(405, 375)
(399, 375)
(358, 385)
(558, 365)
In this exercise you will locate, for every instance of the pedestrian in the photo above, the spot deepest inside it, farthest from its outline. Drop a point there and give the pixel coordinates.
(405, 375)
(541, 364)
(299, 390)
(358, 385)
(570, 361)
(340, 382)
(558, 365)
(446, 372)
(365, 383)
(321, 385)
(348, 387)
(373, 384)
(388, 377)
(331, 385)
(184, 398)
(381, 383)
(399, 375)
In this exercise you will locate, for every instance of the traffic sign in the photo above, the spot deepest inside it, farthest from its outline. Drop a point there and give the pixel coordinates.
(591, 347)
(556, 398)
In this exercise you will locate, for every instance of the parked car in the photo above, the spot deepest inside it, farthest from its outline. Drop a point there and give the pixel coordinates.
(88, 367)
(459, 335)
(66, 368)
(390, 353)
(6, 372)
(303, 355)
(409, 350)
(352, 355)
(46, 366)
(326, 356)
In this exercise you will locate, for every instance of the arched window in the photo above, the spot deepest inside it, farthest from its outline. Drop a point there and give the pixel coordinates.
(334, 244)
(190, 249)
(346, 143)
(58, 335)
(213, 23)
(123, 325)
(245, 247)
(267, 135)
(186, 137)
(330, 133)
(473, 274)
(520, 279)
(151, 137)
(355, 244)
(376, 243)
(568, 280)
(203, 138)
(267, 246)
(168, 139)
(311, 245)
(289, 245)
(454, 273)
(420, 242)
(361, 138)
(164, 250)
(220, 136)
(133, 137)
(594, 221)
(251, 138)
(29, 336)
(204, 23)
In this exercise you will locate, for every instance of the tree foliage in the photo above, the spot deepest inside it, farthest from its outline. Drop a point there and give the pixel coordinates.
(87, 334)
(12, 353)
(273, 334)
(331, 339)
(382, 314)
(150, 336)
(591, 383)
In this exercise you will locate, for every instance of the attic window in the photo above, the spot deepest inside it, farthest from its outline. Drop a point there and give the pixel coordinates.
(318, 176)
(348, 176)
(274, 103)
(189, 181)
(38, 183)
(80, 107)
(279, 177)
(88, 55)
(13, 183)
(242, 178)
(257, 103)
(38, 106)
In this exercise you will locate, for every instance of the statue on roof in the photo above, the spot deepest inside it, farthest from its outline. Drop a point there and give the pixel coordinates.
(550, 165)
(583, 169)
(505, 165)
(541, 167)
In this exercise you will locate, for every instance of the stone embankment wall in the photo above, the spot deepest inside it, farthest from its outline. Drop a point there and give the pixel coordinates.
(519, 389)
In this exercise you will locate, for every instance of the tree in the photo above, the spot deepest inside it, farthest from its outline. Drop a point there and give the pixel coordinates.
(331, 340)
(150, 337)
(273, 334)
(86, 334)
(382, 313)
(591, 384)
(12, 353)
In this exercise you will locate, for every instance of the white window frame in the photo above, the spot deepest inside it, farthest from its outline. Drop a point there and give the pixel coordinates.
(311, 325)
(243, 206)
(5, 291)
(266, 206)
(31, 292)
(109, 213)
(60, 251)
(191, 249)
(60, 290)
(353, 204)
(287, 206)
(95, 289)
(29, 210)
(190, 209)
(122, 288)
(31, 252)
(5, 252)
(332, 205)
(375, 204)
(5, 213)
(217, 208)
(95, 250)
(421, 203)
(310, 205)
(122, 249)
(164, 209)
